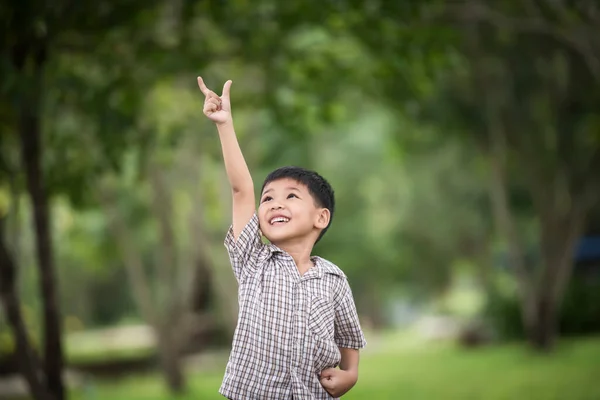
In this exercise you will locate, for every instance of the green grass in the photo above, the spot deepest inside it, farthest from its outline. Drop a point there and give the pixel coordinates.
(396, 368)
(507, 372)
(121, 354)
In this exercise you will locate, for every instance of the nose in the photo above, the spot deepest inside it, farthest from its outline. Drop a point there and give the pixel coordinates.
(276, 206)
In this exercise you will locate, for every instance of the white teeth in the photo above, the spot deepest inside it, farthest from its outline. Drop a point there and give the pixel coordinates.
(279, 219)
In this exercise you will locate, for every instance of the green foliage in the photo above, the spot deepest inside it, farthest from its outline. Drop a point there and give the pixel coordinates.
(7, 344)
(90, 268)
(504, 313)
(581, 307)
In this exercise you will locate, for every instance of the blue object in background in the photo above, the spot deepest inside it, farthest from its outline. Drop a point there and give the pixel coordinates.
(588, 249)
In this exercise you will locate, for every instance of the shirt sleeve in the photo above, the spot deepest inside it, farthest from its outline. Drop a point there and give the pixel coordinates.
(245, 251)
(348, 333)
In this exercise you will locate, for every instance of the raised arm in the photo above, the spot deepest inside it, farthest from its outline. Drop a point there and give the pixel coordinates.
(218, 109)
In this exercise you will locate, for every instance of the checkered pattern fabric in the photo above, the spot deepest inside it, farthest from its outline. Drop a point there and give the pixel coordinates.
(289, 325)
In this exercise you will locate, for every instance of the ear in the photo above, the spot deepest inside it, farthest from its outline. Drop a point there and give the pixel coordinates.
(322, 218)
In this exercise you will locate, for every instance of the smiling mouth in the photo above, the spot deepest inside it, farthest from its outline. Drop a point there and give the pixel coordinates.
(279, 220)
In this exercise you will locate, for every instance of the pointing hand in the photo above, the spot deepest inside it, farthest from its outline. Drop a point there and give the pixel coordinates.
(216, 108)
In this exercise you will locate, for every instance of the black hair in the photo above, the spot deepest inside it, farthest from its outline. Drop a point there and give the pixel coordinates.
(320, 190)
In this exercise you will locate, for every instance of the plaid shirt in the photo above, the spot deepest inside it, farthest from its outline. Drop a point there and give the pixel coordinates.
(289, 326)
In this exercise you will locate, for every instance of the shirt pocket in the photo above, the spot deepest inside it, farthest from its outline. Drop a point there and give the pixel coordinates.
(321, 318)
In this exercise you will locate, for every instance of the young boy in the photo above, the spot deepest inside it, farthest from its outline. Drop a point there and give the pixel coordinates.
(297, 319)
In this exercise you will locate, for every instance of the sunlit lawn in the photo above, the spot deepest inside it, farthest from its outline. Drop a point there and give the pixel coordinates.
(394, 369)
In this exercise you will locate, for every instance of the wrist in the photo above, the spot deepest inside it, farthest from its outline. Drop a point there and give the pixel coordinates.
(225, 124)
(351, 375)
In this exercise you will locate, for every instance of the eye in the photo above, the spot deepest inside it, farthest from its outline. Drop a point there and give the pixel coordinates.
(267, 198)
(291, 195)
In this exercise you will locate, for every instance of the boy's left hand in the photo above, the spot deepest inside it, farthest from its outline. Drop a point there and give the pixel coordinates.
(336, 381)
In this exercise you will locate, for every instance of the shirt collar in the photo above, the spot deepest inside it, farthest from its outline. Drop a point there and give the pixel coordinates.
(323, 266)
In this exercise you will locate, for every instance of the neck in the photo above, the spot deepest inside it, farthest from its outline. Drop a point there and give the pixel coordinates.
(300, 252)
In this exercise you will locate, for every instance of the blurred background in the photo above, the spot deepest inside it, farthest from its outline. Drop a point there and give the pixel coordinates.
(462, 140)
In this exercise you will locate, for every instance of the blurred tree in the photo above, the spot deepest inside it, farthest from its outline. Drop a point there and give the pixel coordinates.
(28, 360)
(521, 81)
(540, 100)
(33, 34)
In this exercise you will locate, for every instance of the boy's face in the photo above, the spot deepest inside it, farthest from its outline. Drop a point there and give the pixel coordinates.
(287, 211)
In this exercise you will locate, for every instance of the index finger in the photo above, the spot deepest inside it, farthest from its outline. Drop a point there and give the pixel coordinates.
(202, 86)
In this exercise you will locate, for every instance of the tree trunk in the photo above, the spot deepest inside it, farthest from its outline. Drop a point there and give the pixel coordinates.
(542, 334)
(163, 320)
(168, 266)
(506, 228)
(171, 369)
(31, 158)
(27, 360)
(558, 239)
(540, 298)
(170, 358)
(504, 220)
(173, 298)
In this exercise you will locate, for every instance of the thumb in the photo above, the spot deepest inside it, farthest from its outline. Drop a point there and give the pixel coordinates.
(226, 88)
